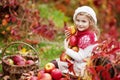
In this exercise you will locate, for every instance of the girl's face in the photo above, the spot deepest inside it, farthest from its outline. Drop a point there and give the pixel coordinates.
(82, 22)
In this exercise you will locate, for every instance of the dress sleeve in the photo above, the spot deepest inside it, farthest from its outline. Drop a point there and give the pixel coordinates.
(81, 54)
(77, 56)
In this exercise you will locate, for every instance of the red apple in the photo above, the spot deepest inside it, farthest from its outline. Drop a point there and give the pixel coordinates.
(20, 63)
(45, 76)
(64, 57)
(18, 59)
(10, 61)
(72, 29)
(40, 74)
(49, 67)
(56, 74)
(73, 40)
(63, 79)
(34, 78)
(29, 62)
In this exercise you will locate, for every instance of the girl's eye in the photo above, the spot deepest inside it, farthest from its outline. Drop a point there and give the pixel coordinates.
(83, 21)
(77, 20)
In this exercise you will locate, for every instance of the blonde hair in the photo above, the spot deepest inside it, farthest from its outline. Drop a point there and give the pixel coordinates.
(93, 26)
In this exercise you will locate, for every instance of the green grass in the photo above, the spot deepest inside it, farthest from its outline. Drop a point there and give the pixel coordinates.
(49, 52)
(49, 12)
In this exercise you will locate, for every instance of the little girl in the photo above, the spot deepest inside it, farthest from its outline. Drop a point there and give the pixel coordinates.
(87, 34)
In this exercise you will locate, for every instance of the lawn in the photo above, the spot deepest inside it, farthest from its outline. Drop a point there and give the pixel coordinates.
(49, 52)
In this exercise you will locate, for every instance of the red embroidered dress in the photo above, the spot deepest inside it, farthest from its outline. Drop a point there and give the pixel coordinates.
(85, 38)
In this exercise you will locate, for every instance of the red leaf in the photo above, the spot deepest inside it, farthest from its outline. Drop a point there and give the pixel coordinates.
(99, 68)
(105, 75)
(93, 73)
(70, 66)
(92, 70)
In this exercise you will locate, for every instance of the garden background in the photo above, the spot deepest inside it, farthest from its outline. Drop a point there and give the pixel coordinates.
(41, 23)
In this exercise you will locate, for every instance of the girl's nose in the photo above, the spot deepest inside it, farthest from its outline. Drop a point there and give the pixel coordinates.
(79, 23)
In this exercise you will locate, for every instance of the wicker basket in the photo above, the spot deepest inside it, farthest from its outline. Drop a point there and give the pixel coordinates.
(15, 71)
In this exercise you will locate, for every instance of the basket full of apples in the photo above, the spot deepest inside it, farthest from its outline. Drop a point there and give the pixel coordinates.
(17, 63)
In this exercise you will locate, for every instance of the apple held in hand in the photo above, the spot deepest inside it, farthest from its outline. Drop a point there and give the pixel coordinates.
(73, 40)
(72, 29)
(75, 48)
(64, 57)
(45, 76)
(49, 67)
(56, 74)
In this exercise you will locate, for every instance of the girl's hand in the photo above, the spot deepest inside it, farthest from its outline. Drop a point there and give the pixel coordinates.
(67, 33)
(66, 42)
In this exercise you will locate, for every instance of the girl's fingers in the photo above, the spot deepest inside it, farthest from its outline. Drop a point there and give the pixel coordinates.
(66, 43)
(67, 34)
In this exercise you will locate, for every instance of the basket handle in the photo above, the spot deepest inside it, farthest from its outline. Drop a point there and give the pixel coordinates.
(18, 42)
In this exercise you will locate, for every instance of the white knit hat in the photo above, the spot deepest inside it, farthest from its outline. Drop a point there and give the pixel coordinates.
(86, 9)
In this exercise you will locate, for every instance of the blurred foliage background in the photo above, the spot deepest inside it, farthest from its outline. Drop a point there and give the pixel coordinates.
(45, 19)
(27, 19)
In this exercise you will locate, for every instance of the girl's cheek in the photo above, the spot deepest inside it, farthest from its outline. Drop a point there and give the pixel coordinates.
(77, 23)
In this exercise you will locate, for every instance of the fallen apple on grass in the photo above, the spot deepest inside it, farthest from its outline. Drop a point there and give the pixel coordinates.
(40, 73)
(49, 67)
(45, 76)
(56, 74)
(34, 78)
